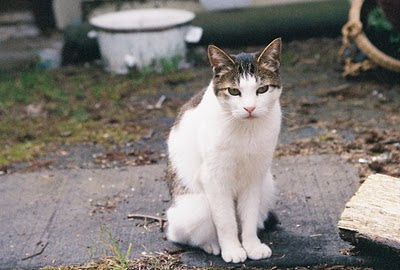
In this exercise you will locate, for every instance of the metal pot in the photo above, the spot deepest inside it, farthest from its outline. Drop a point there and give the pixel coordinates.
(143, 37)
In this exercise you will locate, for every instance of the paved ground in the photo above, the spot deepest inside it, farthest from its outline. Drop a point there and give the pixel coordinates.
(62, 212)
(65, 210)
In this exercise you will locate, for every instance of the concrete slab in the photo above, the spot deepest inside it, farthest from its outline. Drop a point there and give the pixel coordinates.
(63, 211)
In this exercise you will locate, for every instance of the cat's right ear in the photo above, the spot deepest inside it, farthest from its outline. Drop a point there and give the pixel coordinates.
(269, 58)
(220, 60)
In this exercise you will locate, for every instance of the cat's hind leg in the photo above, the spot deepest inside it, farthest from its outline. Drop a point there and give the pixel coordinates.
(190, 223)
(267, 202)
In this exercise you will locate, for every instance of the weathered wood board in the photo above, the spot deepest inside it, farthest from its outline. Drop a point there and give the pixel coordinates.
(372, 216)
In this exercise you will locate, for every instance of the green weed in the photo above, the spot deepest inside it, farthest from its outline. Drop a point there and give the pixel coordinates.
(120, 260)
(170, 64)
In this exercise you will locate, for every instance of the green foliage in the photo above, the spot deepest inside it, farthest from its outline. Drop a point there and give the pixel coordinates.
(170, 64)
(162, 66)
(121, 260)
(377, 19)
(28, 86)
(80, 114)
(378, 23)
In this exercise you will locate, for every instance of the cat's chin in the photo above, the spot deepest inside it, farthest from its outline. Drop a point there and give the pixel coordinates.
(246, 118)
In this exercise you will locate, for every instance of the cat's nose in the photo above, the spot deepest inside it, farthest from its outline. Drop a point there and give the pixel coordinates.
(249, 109)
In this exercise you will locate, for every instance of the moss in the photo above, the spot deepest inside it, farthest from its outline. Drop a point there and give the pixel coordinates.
(75, 105)
(20, 151)
(26, 146)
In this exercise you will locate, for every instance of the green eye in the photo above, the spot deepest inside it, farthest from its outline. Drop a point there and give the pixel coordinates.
(234, 91)
(262, 89)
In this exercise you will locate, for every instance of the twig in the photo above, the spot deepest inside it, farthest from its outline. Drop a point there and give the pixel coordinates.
(390, 141)
(160, 102)
(338, 89)
(36, 254)
(160, 220)
(173, 251)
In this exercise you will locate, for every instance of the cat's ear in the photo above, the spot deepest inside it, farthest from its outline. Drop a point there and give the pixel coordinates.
(220, 60)
(270, 57)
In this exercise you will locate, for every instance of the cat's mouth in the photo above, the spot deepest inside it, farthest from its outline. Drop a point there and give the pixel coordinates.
(250, 117)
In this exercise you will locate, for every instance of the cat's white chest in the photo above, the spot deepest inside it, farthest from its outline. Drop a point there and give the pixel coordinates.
(245, 154)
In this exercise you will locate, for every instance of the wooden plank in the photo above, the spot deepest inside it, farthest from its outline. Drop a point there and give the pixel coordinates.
(372, 216)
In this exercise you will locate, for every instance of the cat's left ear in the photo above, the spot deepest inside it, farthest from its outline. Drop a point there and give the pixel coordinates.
(270, 57)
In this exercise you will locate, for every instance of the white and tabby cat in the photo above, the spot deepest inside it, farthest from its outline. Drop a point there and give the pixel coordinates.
(220, 154)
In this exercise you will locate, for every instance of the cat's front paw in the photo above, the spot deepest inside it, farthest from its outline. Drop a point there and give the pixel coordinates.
(234, 254)
(258, 251)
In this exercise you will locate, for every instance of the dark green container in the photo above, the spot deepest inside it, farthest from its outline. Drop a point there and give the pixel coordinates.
(252, 26)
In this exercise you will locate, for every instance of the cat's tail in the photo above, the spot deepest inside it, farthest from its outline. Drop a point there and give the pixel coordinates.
(190, 223)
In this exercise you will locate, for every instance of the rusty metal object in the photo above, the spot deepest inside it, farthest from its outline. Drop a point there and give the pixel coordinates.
(352, 32)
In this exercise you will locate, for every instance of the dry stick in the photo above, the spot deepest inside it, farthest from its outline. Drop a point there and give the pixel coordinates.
(173, 251)
(36, 254)
(159, 219)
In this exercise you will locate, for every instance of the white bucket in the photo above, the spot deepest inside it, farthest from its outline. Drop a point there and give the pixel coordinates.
(142, 37)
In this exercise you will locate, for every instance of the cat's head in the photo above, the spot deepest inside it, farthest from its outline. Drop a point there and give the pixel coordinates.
(248, 84)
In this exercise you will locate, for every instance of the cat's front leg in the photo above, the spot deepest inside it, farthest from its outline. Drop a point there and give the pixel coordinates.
(219, 194)
(248, 209)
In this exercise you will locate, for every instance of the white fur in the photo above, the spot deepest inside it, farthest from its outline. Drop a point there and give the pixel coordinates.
(223, 157)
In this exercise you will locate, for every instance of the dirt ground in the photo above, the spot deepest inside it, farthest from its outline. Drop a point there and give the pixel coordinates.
(120, 126)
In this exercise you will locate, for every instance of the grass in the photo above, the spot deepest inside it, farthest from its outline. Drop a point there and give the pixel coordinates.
(40, 109)
(121, 260)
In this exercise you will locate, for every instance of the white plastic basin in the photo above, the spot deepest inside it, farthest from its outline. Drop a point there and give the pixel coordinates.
(141, 37)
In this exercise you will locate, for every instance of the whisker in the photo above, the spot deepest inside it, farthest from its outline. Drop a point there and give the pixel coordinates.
(288, 119)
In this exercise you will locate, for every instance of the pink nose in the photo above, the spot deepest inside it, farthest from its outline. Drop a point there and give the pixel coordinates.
(249, 109)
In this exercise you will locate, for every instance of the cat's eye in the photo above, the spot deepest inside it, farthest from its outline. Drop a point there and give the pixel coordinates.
(234, 91)
(262, 89)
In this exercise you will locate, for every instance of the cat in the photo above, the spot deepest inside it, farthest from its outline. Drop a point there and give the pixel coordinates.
(220, 151)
